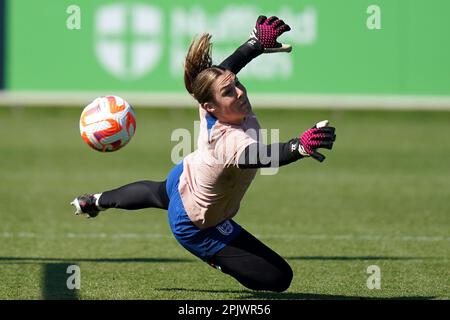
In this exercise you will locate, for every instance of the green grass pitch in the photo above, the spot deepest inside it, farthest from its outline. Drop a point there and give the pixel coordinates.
(380, 198)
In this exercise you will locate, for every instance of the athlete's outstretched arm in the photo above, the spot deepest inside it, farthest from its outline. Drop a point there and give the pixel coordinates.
(263, 39)
(258, 155)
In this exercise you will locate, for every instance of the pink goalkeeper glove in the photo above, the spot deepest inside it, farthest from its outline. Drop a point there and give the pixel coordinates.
(267, 31)
(319, 136)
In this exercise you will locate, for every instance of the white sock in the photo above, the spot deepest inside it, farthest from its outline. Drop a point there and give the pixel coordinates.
(97, 197)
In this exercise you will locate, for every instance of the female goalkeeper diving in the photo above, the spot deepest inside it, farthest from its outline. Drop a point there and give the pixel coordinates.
(202, 193)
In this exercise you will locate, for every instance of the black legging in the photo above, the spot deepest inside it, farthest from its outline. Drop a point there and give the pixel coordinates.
(253, 264)
(246, 259)
(136, 195)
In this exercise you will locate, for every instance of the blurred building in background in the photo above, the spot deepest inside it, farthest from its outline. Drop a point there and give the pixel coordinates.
(346, 53)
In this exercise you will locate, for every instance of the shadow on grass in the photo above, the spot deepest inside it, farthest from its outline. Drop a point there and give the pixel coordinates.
(247, 294)
(99, 260)
(352, 258)
(55, 276)
(54, 282)
(11, 260)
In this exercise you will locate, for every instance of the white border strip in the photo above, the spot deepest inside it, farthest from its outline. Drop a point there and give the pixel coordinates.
(274, 101)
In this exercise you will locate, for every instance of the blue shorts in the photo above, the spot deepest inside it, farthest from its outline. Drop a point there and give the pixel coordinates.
(203, 243)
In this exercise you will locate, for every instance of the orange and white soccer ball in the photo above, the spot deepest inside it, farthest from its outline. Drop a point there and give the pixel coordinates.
(107, 123)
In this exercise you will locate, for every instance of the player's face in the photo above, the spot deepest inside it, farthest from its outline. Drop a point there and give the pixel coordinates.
(231, 104)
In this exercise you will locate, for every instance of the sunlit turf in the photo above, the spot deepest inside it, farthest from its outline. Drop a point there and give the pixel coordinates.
(380, 198)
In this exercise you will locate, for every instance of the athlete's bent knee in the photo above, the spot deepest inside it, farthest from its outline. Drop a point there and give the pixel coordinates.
(283, 282)
(277, 281)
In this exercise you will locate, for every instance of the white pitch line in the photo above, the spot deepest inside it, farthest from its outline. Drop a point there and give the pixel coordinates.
(259, 100)
(347, 237)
